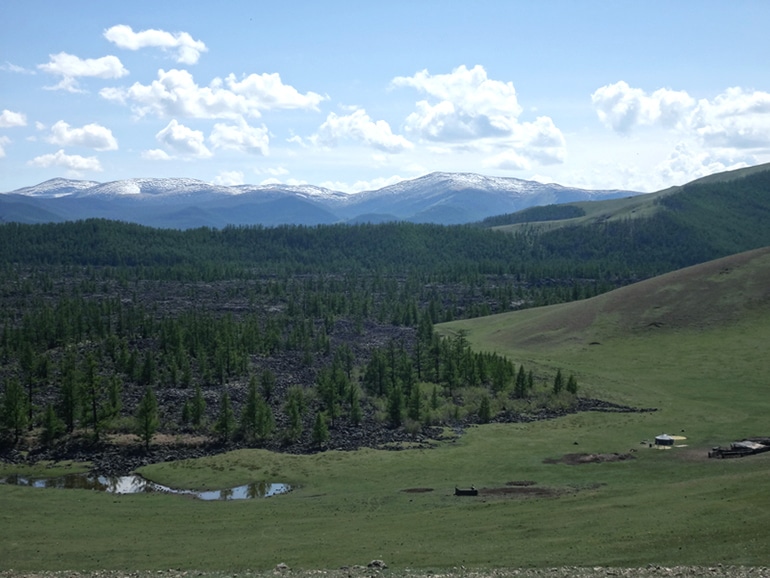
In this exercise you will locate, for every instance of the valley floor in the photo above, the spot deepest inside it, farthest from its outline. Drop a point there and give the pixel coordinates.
(649, 571)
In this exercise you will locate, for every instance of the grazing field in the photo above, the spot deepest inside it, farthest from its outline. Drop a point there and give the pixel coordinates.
(693, 345)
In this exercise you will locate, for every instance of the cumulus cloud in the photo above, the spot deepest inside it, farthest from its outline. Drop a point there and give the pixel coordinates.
(175, 93)
(685, 164)
(508, 160)
(75, 163)
(734, 119)
(186, 49)
(4, 141)
(465, 105)
(155, 155)
(183, 140)
(466, 111)
(91, 135)
(71, 67)
(229, 178)
(358, 126)
(622, 107)
(9, 119)
(241, 137)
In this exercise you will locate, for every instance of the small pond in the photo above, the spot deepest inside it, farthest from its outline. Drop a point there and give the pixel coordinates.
(135, 484)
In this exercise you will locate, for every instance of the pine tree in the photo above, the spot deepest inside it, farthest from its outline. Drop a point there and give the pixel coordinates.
(267, 382)
(572, 385)
(197, 407)
(226, 418)
(69, 392)
(395, 406)
(414, 406)
(558, 383)
(485, 412)
(147, 420)
(13, 411)
(320, 433)
(92, 396)
(356, 415)
(520, 386)
(52, 425)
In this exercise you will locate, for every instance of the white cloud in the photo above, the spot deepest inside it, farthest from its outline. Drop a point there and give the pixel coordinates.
(621, 107)
(273, 171)
(229, 178)
(71, 67)
(358, 126)
(241, 137)
(270, 92)
(91, 135)
(508, 160)
(292, 182)
(186, 49)
(466, 105)
(734, 119)
(466, 111)
(8, 119)
(361, 185)
(155, 155)
(685, 164)
(75, 163)
(4, 141)
(10, 67)
(175, 93)
(183, 140)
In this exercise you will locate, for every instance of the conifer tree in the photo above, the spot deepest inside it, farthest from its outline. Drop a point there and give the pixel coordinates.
(320, 433)
(485, 412)
(226, 418)
(53, 427)
(395, 406)
(356, 415)
(572, 385)
(197, 407)
(147, 420)
(558, 383)
(13, 411)
(69, 391)
(414, 406)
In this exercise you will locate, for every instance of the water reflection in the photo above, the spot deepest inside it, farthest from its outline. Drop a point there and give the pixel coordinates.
(135, 484)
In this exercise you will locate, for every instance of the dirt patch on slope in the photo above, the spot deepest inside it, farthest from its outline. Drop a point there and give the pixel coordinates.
(578, 459)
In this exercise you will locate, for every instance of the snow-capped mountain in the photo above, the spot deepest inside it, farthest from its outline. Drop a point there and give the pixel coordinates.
(445, 198)
(56, 188)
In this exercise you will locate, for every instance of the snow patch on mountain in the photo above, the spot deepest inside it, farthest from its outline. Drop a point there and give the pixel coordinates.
(55, 188)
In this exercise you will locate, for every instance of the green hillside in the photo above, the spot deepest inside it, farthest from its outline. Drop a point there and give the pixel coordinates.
(691, 343)
(739, 194)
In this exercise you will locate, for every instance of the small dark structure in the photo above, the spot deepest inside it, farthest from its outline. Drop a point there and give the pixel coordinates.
(472, 491)
(747, 447)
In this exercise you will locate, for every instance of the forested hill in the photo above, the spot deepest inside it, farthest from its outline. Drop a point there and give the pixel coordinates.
(709, 218)
(701, 221)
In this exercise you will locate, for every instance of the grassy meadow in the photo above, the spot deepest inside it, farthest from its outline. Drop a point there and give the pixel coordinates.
(692, 344)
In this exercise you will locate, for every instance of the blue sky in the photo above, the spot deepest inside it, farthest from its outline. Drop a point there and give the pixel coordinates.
(358, 95)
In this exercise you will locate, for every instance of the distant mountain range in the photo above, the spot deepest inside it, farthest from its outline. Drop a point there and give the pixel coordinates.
(180, 203)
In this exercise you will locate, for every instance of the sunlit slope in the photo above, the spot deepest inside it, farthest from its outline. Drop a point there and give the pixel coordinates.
(704, 297)
(692, 343)
(720, 185)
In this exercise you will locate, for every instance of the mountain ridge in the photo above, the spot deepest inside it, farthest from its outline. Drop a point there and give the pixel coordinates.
(439, 197)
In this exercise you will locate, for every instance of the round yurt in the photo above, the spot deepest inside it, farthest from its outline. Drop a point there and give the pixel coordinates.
(664, 440)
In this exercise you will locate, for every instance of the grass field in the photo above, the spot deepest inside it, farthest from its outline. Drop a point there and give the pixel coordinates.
(694, 346)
